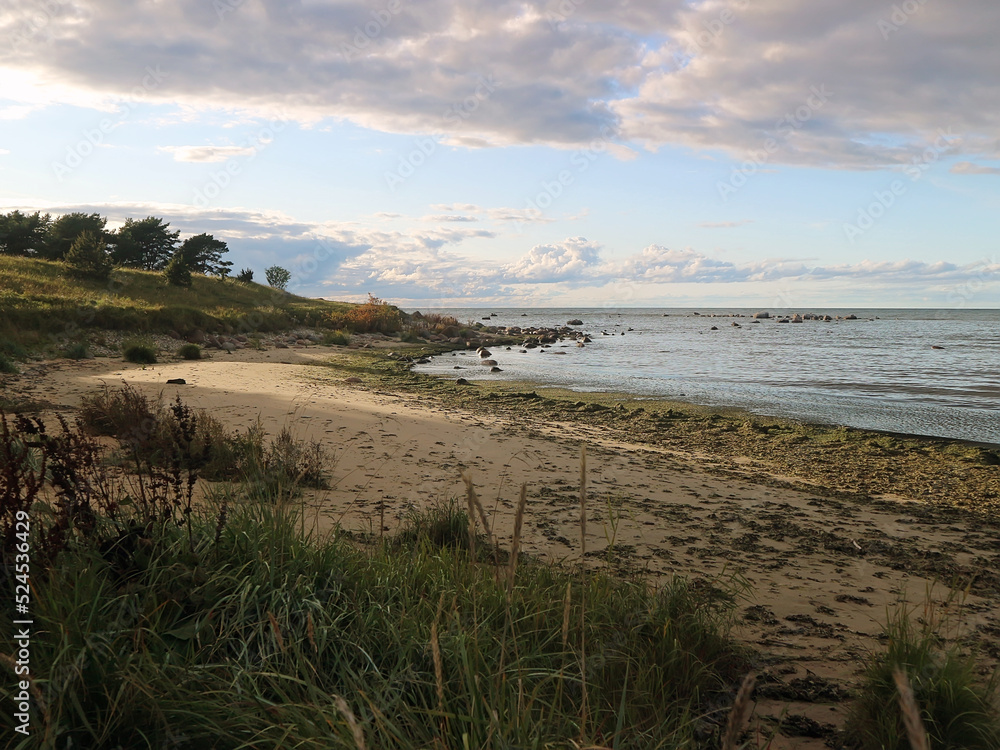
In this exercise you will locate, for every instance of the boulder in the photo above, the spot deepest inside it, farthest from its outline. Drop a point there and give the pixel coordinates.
(177, 381)
(353, 380)
(574, 322)
(796, 318)
(762, 315)
(495, 369)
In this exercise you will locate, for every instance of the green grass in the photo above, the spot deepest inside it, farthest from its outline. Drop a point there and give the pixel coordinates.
(36, 299)
(189, 351)
(140, 351)
(161, 624)
(958, 705)
(78, 350)
(248, 642)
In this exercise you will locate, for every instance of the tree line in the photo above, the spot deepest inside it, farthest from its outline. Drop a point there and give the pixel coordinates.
(83, 241)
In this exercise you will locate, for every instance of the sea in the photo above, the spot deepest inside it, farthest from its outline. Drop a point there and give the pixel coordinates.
(921, 372)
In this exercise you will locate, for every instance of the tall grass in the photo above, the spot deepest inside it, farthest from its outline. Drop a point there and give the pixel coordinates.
(920, 672)
(248, 641)
(36, 298)
(225, 626)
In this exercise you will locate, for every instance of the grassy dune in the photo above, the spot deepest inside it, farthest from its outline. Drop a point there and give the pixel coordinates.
(37, 299)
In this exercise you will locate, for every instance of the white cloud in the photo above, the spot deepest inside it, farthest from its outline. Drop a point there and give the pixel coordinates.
(4, 151)
(967, 167)
(722, 75)
(347, 260)
(207, 153)
(566, 260)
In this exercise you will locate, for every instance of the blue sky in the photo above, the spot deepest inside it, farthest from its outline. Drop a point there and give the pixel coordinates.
(543, 152)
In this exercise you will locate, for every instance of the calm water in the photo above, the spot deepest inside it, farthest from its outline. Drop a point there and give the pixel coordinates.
(877, 372)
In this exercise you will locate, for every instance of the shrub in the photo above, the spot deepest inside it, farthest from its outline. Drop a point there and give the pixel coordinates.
(178, 272)
(278, 277)
(189, 351)
(958, 710)
(89, 258)
(245, 276)
(78, 350)
(409, 337)
(139, 351)
(13, 350)
(336, 338)
(7, 365)
(375, 316)
(119, 412)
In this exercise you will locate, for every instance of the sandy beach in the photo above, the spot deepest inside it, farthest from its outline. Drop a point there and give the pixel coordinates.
(821, 564)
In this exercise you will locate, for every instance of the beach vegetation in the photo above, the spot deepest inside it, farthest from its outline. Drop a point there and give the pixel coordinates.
(222, 623)
(67, 229)
(924, 688)
(336, 338)
(89, 258)
(38, 299)
(374, 316)
(141, 351)
(203, 253)
(23, 234)
(144, 243)
(78, 350)
(189, 351)
(277, 277)
(178, 272)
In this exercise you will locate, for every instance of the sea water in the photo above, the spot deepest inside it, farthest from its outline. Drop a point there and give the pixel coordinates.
(881, 371)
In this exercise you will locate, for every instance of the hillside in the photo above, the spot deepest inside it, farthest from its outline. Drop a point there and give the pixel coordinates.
(37, 299)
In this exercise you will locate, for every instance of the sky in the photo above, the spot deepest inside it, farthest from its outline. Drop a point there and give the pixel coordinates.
(751, 153)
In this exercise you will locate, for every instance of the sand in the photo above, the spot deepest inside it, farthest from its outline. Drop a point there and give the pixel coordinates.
(821, 569)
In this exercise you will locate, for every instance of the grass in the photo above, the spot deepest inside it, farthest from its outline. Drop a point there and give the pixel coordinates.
(152, 434)
(78, 350)
(189, 351)
(163, 623)
(140, 351)
(336, 338)
(949, 700)
(37, 300)
(7, 365)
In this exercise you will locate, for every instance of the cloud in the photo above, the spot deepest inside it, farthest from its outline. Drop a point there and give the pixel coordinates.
(347, 260)
(449, 218)
(207, 153)
(569, 259)
(725, 224)
(4, 151)
(967, 167)
(719, 76)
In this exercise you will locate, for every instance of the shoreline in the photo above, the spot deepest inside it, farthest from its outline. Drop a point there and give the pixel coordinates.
(670, 493)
